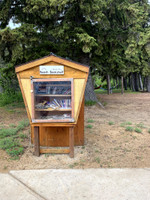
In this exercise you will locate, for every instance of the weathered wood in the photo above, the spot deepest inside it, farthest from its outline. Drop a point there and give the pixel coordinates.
(36, 141)
(71, 142)
(52, 58)
(65, 151)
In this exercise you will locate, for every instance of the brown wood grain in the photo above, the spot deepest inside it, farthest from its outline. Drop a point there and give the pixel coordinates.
(36, 141)
(71, 142)
(65, 151)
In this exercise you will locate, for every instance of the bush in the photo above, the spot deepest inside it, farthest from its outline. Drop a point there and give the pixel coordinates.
(8, 98)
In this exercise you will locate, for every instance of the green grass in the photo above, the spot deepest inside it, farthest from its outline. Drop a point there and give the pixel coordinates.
(15, 152)
(101, 91)
(90, 103)
(138, 130)
(125, 124)
(90, 121)
(9, 139)
(7, 132)
(141, 125)
(148, 130)
(111, 123)
(23, 136)
(129, 128)
(89, 126)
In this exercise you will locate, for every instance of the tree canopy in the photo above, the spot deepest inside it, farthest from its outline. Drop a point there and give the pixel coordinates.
(112, 36)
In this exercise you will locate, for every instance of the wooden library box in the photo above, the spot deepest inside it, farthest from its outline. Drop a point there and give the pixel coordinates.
(53, 92)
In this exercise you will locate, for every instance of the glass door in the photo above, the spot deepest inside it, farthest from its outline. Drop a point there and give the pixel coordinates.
(52, 100)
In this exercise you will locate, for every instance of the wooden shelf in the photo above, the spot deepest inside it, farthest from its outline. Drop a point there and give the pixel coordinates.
(50, 109)
(53, 95)
(53, 85)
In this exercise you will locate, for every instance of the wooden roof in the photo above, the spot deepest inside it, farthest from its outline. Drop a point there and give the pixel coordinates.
(52, 57)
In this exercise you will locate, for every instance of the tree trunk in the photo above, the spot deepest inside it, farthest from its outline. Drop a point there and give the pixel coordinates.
(125, 83)
(144, 83)
(108, 84)
(122, 89)
(132, 82)
(148, 83)
(89, 91)
(140, 81)
(136, 81)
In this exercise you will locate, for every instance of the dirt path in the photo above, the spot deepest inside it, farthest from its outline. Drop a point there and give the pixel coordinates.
(107, 143)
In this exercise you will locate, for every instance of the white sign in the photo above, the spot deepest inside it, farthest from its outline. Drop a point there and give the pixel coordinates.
(52, 69)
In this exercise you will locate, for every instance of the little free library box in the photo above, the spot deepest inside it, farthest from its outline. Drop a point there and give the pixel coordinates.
(53, 92)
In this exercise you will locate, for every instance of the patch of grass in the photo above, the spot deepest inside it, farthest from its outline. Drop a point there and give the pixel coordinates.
(96, 151)
(111, 123)
(90, 103)
(83, 147)
(12, 125)
(7, 132)
(22, 125)
(90, 121)
(125, 124)
(148, 130)
(8, 143)
(15, 152)
(129, 128)
(138, 130)
(89, 126)
(141, 125)
(23, 136)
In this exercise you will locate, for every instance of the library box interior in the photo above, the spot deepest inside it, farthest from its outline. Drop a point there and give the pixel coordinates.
(53, 91)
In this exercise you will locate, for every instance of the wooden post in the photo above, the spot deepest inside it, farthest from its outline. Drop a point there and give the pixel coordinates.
(36, 141)
(71, 142)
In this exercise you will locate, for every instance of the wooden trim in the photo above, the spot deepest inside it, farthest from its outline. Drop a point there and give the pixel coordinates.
(36, 141)
(52, 110)
(65, 151)
(51, 120)
(54, 59)
(53, 124)
(51, 79)
(32, 101)
(24, 98)
(71, 142)
(81, 99)
(72, 98)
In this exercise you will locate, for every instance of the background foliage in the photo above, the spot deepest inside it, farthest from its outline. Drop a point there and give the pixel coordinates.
(112, 36)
